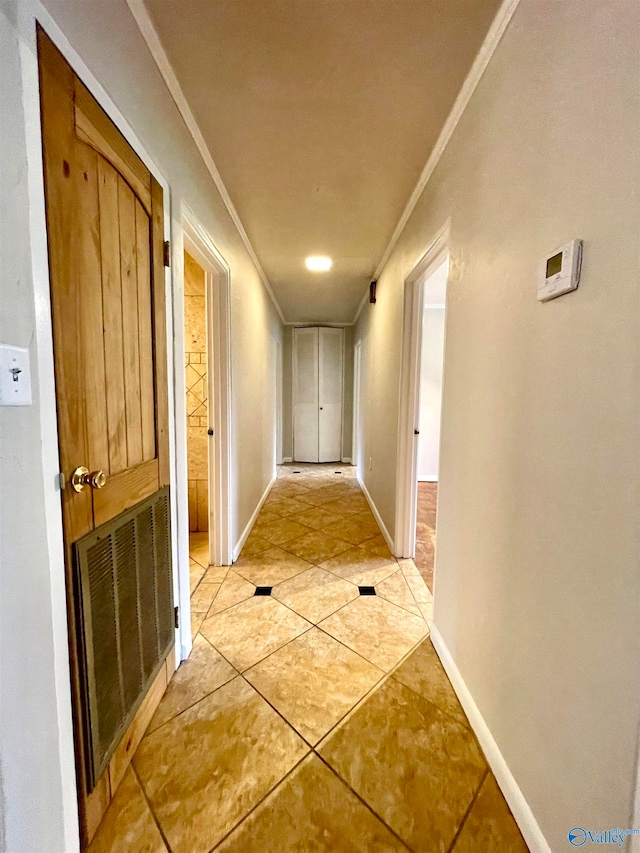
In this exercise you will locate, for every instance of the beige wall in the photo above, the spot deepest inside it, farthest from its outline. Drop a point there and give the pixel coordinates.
(37, 800)
(537, 579)
(347, 394)
(195, 356)
(287, 393)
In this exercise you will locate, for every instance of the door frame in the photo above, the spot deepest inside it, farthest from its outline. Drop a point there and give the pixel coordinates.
(30, 14)
(294, 382)
(279, 394)
(409, 402)
(355, 442)
(294, 375)
(201, 247)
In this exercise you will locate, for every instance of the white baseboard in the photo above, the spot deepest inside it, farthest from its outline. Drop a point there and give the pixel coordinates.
(346, 460)
(287, 459)
(252, 520)
(427, 478)
(376, 515)
(513, 795)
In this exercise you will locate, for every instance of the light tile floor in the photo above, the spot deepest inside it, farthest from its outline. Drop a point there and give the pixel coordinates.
(315, 718)
(426, 531)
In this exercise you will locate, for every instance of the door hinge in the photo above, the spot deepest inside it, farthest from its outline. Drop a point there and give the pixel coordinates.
(167, 253)
(176, 617)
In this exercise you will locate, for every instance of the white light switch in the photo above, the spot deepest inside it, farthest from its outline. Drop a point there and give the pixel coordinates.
(15, 376)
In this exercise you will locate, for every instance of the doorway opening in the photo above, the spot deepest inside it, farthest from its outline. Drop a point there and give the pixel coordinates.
(421, 392)
(196, 360)
(430, 394)
(206, 459)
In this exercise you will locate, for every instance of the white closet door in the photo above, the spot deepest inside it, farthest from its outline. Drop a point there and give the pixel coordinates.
(330, 395)
(305, 395)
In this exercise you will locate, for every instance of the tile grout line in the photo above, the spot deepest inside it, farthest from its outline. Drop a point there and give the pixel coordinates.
(320, 566)
(279, 713)
(447, 714)
(325, 533)
(361, 800)
(420, 616)
(151, 809)
(454, 840)
(381, 681)
(410, 590)
(260, 801)
(326, 633)
(310, 565)
(206, 695)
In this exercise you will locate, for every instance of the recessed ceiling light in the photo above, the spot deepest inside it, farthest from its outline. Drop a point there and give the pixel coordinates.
(318, 263)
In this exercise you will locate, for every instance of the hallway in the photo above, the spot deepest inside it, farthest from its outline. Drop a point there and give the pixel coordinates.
(240, 239)
(313, 718)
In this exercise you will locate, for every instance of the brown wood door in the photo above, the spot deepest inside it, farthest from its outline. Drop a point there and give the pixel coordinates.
(105, 234)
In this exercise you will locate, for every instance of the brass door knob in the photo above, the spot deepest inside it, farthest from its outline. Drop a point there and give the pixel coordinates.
(81, 477)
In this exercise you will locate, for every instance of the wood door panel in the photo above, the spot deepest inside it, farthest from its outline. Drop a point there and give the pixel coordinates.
(112, 316)
(125, 490)
(61, 180)
(131, 352)
(145, 334)
(96, 129)
(87, 270)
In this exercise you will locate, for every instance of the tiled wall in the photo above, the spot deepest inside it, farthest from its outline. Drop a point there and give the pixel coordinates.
(196, 380)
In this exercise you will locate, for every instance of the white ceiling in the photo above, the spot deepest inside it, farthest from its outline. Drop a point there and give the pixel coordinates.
(320, 116)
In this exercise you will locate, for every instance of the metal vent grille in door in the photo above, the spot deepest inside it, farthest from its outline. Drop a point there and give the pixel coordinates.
(125, 618)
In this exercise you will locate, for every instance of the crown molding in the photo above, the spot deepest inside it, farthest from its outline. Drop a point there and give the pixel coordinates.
(488, 48)
(152, 39)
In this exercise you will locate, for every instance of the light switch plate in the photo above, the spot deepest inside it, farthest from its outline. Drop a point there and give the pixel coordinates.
(15, 376)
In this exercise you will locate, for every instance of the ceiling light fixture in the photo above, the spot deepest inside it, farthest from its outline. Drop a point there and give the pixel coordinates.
(318, 263)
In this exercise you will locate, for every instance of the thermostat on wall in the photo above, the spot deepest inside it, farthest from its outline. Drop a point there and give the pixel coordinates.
(560, 271)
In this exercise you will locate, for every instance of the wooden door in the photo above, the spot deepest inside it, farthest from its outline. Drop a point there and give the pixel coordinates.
(105, 236)
(330, 346)
(305, 391)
